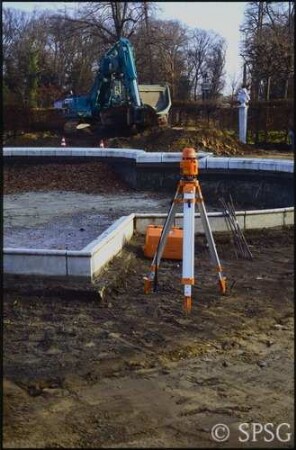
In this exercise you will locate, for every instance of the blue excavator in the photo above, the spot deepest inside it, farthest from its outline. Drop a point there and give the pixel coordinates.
(116, 99)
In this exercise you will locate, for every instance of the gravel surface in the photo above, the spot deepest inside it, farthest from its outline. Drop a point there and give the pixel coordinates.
(69, 220)
(71, 232)
(66, 206)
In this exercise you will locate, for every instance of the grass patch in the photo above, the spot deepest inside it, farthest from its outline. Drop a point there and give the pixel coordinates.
(271, 137)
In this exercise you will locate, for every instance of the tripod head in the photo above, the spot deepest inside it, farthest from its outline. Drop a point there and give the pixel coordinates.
(188, 165)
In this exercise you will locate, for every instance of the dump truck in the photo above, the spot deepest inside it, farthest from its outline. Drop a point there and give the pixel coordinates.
(116, 99)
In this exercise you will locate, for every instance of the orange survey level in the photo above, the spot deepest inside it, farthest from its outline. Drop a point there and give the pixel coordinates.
(174, 245)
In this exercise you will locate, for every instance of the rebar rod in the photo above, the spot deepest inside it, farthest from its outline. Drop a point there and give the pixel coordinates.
(240, 244)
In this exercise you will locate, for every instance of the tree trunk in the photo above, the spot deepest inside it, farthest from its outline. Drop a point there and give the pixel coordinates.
(268, 88)
(286, 88)
(148, 46)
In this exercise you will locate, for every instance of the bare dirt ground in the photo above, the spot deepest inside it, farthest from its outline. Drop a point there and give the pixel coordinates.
(173, 139)
(117, 368)
(107, 366)
(91, 178)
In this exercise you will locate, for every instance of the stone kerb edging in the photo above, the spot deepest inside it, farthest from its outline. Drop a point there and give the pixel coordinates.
(88, 262)
(109, 243)
(207, 160)
(71, 263)
(73, 151)
(247, 220)
(137, 155)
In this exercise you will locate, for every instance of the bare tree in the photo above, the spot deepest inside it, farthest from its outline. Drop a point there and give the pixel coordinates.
(268, 46)
(234, 82)
(198, 49)
(50, 53)
(215, 66)
(14, 25)
(108, 20)
(170, 41)
(148, 40)
(72, 56)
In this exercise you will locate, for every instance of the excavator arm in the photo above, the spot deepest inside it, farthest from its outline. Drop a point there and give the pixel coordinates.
(115, 97)
(116, 81)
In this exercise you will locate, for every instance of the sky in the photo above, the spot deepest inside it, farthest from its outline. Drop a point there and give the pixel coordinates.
(223, 18)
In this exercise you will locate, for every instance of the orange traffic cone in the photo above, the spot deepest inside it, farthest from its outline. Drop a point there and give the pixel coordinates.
(63, 142)
(102, 144)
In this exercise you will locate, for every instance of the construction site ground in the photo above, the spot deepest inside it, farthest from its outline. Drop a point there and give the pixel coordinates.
(171, 139)
(108, 366)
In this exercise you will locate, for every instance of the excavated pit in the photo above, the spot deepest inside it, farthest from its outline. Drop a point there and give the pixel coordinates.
(67, 215)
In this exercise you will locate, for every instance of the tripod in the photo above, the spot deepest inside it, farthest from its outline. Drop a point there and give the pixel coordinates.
(188, 192)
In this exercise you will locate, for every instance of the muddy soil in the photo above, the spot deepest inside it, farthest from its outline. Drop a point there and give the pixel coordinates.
(121, 369)
(173, 139)
(90, 178)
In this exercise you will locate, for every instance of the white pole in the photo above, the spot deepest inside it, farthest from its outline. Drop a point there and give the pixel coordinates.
(242, 119)
(188, 241)
(243, 97)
